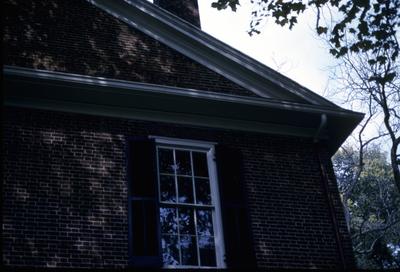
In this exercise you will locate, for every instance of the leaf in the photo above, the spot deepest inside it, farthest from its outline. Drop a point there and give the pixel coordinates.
(354, 48)
(342, 51)
(376, 7)
(322, 30)
(390, 76)
(223, 4)
(363, 28)
(217, 5)
(381, 59)
(334, 52)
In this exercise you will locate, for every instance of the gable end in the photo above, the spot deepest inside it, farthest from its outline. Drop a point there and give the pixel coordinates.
(77, 37)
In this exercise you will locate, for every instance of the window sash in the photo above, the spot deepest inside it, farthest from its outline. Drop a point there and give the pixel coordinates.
(208, 149)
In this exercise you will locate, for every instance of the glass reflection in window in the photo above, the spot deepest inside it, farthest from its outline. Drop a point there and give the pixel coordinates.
(186, 208)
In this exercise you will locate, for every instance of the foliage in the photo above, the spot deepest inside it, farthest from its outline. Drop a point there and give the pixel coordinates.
(359, 26)
(373, 204)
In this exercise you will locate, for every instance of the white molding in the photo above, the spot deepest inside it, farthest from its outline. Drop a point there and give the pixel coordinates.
(182, 142)
(219, 232)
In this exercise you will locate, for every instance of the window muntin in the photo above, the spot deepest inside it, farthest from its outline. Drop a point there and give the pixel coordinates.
(189, 210)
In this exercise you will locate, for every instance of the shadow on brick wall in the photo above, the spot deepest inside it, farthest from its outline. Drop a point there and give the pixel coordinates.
(65, 202)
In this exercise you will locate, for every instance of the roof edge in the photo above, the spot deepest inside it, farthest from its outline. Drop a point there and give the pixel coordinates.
(172, 90)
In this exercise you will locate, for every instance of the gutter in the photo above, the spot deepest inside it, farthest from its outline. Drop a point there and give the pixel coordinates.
(328, 195)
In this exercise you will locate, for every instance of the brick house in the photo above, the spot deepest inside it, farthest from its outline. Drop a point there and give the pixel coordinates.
(133, 139)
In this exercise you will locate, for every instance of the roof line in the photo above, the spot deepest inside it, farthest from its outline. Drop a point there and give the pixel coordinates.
(208, 51)
(154, 88)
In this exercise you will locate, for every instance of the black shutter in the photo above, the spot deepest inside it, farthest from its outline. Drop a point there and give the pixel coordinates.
(144, 226)
(238, 240)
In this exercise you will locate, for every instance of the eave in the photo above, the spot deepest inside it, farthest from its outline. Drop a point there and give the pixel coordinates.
(67, 92)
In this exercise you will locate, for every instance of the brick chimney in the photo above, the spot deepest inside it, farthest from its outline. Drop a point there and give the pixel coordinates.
(187, 10)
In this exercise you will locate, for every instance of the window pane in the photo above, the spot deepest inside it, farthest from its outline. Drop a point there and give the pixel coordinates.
(189, 250)
(186, 221)
(203, 195)
(166, 161)
(167, 188)
(169, 222)
(185, 190)
(170, 249)
(200, 164)
(207, 251)
(183, 165)
(204, 222)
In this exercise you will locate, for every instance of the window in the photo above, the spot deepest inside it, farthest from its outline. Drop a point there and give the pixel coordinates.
(177, 207)
(190, 220)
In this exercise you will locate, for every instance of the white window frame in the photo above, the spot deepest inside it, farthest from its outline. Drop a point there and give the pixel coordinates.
(209, 148)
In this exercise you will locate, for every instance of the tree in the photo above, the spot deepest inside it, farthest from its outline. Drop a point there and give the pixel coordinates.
(366, 180)
(363, 35)
(373, 205)
(357, 81)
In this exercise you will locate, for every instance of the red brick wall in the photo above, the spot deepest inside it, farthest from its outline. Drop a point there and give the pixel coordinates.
(65, 192)
(76, 37)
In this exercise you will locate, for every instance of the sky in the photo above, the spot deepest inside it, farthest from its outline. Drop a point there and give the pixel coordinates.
(296, 53)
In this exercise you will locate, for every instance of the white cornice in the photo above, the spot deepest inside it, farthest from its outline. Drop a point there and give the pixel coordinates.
(116, 85)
